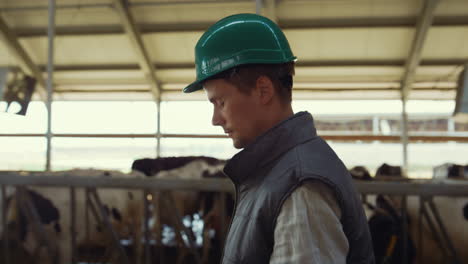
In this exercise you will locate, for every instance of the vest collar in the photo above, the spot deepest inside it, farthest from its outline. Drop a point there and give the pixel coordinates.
(276, 141)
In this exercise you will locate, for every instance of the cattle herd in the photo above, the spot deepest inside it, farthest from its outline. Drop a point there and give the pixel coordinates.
(190, 226)
(423, 245)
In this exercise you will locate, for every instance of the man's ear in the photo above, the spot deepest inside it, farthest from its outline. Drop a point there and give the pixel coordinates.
(265, 89)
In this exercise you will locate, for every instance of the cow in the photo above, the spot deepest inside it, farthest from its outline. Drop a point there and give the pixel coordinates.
(360, 173)
(451, 171)
(23, 242)
(385, 221)
(386, 225)
(53, 206)
(188, 203)
(125, 208)
(388, 170)
(152, 167)
(451, 211)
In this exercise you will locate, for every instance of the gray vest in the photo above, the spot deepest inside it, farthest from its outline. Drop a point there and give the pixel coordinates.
(266, 172)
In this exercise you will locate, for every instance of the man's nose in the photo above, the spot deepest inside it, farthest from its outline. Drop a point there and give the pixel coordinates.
(217, 119)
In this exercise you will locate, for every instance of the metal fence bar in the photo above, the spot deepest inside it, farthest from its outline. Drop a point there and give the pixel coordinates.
(433, 229)
(5, 225)
(45, 179)
(50, 80)
(404, 229)
(157, 203)
(73, 225)
(107, 223)
(420, 230)
(415, 188)
(169, 202)
(146, 213)
(445, 235)
(87, 204)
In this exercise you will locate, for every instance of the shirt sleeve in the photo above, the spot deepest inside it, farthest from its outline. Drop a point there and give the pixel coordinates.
(308, 228)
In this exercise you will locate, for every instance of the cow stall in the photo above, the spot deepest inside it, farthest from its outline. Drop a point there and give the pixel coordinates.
(119, 210)
(432, 195)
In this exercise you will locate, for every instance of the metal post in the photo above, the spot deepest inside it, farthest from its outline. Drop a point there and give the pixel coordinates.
(179, 226)
(107, 224)
(444, 232)
(87, 205)
(258, 7)
(375, 125)
(158, 131)
(157, 202)
(404, 137)
(433, 229)
(50, 79)
(73, 224)
(5, 226)
(146, 228)
(420, 229)
(404, 230)
(451, 125)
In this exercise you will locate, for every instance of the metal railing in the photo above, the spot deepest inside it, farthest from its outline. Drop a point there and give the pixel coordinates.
(424, 189)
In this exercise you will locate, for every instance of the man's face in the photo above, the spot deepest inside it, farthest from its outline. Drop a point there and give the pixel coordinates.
(236, 112)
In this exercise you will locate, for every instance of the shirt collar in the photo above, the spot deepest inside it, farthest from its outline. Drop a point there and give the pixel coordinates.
(269, 146)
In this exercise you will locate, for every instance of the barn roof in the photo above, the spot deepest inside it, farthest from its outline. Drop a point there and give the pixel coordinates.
(346, 49)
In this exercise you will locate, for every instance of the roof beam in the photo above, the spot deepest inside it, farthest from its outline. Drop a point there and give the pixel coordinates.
(370, 22)
(266, 8)
(25, 62)
(25, 8)
(134, 35)
(199, 27)
(311, 90)
(422, 27)
(325, 63)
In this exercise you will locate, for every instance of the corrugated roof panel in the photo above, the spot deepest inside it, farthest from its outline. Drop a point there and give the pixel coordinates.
(446, 43)
(172, 47)
(340, 74)
(176, 76)
(438, 73)
(349, 44)
(37, 15)
(6, 57)
(452, 8)
(333, 9)
(190, 13)
(75, 50)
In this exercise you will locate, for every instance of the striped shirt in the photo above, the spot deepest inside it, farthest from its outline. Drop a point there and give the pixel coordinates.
(308, 228)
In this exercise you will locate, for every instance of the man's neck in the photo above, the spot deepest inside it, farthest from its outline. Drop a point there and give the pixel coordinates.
(272, 120)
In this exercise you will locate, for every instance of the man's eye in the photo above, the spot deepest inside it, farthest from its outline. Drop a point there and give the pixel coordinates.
(221, 103)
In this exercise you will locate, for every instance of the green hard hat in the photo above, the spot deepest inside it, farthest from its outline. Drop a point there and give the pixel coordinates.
(236, 40)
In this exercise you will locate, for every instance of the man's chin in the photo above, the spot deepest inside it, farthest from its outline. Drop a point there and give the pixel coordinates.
(238, 144)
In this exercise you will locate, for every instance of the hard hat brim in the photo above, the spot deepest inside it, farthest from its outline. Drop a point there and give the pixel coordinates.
(193, 87)
(198, 84)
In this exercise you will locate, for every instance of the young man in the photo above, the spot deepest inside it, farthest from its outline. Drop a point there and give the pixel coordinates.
(295, 202)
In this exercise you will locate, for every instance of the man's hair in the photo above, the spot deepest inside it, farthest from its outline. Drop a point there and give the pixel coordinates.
(244, 77)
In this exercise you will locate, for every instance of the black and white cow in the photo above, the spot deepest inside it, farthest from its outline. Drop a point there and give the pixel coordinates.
(188, 203)
(53, 207)
(388, 170)
(20, 236)
(385, 222)
(360, 173)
